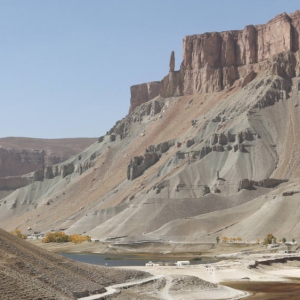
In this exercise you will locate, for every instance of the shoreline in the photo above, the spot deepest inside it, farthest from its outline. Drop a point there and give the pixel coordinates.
(238, 266)
(255, 274)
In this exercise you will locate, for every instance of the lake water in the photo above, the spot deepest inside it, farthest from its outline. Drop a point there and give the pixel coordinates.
(115, 260)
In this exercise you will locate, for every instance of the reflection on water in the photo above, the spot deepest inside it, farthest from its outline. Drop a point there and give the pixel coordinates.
(268, 290)
(129, 260)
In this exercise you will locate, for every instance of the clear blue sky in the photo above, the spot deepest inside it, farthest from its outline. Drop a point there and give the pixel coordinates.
(66, 66)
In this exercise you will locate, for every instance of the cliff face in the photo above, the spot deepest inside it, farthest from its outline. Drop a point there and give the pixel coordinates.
(19, 156)
(17, 162)
(142, 93)
(214, 61)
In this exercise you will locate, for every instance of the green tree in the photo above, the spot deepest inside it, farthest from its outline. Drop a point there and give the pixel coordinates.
(217, 239)
(283, 240)
(293, 240)
(268, 239)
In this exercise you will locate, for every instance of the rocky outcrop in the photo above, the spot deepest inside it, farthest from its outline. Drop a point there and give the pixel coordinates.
(248, 78)
(278, 91)
(14, 182)
(172, 62)
(18, 162)
(214, 61)
(142, 93)
(38, 175)
(139, 164)
(48, 173)
(267, 183)
(160, 148)
(19, 156)
(245, 184)
(172, 84)
(121, 129)
(206, 190)
(67, 169)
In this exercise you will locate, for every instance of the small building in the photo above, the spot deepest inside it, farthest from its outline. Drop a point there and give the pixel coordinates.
(182, 263)
(151, 264)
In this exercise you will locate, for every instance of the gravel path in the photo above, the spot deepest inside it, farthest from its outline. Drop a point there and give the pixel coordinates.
(110, 290)
(165, 293)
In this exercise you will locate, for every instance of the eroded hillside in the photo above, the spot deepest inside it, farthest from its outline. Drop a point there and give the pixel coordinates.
(211, 150)
(28, 272)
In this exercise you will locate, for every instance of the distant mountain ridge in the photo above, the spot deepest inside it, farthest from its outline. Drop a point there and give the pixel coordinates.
(20, 155)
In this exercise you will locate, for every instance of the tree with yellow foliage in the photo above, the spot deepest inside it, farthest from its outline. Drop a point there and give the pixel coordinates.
(19, 234)
(61, 237)
(77, 239)
(224, 239)
(55, 237)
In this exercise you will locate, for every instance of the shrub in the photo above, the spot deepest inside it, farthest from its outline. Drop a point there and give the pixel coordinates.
(19, 234)
(269, 239)
(77, 239)
(224, 239)
(55, 237)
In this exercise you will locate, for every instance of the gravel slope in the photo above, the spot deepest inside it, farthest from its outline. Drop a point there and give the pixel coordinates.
(28, 272)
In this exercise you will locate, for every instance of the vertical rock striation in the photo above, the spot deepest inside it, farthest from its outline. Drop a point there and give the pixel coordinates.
(142, 93)
(214, 61)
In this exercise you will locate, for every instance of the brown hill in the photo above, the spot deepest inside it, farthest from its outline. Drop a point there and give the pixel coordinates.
(30, 273)
(216, 152)
(19, 155)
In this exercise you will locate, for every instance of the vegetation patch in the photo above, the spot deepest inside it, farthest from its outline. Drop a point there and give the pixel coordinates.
(61, 237)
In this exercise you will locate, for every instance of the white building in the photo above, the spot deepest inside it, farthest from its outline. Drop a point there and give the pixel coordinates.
(182, 263)
(151, 264)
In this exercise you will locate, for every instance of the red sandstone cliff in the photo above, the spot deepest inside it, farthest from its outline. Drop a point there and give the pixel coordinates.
(144, 92)
(214, 61)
